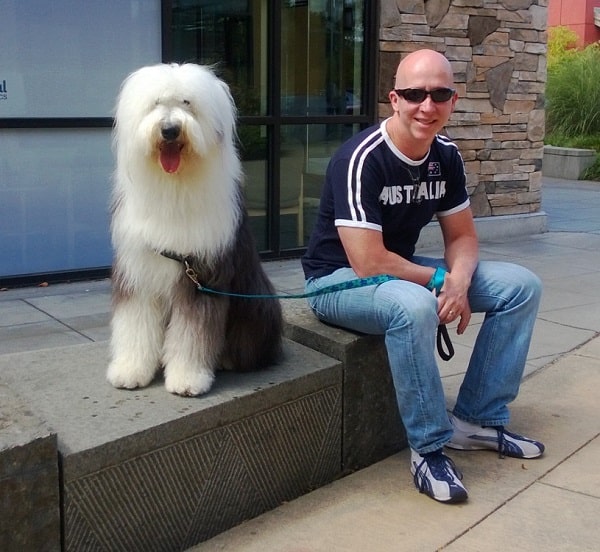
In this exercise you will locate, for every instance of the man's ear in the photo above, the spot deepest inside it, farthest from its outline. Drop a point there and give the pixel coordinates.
(454, 100)
(394, 100)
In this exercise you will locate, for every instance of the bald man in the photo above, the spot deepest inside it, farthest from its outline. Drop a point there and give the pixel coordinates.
(381, 188)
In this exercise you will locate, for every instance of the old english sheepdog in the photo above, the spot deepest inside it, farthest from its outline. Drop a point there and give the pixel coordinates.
(178, 215)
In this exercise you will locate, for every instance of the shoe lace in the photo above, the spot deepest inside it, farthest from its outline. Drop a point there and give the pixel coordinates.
(441, 467)
(500, 431)
(505, 447)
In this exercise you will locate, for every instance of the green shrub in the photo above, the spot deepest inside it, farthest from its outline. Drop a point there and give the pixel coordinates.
(593, 172)
(573, 94)
(584, 142)
(562, 45)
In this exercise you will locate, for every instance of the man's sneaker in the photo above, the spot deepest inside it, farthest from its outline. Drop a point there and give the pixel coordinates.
(469, 436)
(436, 475)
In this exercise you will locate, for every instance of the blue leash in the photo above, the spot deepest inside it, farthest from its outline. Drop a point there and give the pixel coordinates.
(349, 284)
(442, 338)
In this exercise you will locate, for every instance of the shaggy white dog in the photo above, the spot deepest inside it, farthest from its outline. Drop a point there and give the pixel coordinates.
(177, 203)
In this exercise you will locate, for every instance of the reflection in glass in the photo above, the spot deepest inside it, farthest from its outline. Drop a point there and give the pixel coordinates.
(305, 154)
(321, 57)
(253, 152)
(317, 71)
(232, 36)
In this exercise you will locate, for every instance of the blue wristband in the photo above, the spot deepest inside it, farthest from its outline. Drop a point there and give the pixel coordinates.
(437, 280)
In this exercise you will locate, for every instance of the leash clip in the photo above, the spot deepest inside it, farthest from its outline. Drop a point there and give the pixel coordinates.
(191, 274)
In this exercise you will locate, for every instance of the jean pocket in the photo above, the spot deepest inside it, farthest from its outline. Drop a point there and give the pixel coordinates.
(312, 285)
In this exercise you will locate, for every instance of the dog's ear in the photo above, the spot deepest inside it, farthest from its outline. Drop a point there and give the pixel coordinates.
(228, 127)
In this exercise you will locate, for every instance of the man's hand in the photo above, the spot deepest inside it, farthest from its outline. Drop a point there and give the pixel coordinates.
(453, 303)
(461, 254)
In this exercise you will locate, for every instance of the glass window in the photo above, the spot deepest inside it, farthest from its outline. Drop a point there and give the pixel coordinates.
(63, 62)
(68, 58)
(231, 36)
(294, 68)
(305, 153)
(54, 200)
(254, 153)
(321, 57)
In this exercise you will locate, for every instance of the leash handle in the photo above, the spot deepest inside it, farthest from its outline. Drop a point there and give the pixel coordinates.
(443, 338)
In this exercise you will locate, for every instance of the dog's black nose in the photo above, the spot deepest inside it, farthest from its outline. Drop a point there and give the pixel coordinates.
(170, 132)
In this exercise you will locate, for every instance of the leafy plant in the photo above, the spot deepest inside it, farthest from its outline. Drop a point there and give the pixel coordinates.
(593, 172)
(583, 142)
(562, 45)
(573, 95)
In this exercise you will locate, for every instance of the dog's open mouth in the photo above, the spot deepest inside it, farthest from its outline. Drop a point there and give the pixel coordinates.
(170, 156)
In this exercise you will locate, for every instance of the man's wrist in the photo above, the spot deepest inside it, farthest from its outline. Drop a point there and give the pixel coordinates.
(437, 280)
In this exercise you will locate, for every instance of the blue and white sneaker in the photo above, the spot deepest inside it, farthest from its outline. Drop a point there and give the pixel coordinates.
(436, 476)
(469, 436)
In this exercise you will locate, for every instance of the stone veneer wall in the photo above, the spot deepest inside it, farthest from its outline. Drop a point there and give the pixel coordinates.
(498, 52)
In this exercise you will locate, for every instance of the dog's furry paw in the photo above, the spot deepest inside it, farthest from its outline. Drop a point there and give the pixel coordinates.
(188, 383)
(128, 375)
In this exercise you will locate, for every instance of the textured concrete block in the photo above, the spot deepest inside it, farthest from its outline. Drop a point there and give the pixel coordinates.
(372, 428)
(147, 470)
(567, 163)
(29, 489)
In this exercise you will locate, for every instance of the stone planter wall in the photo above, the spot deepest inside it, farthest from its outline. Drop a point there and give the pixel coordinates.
(567, 163)
(498, 52)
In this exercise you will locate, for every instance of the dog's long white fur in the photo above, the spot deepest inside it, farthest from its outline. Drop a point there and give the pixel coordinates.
(170, 221)
(195, 210)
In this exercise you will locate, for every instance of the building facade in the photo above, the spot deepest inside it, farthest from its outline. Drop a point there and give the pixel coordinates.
(305, 74)
(581, 16)
(498, 51)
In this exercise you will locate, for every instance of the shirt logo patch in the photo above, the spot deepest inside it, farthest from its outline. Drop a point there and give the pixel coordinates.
(434, 169)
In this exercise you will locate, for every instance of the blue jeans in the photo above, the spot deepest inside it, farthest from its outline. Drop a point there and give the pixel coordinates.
(406, 314)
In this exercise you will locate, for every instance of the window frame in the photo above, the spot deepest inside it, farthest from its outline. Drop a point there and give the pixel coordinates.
(274, 120)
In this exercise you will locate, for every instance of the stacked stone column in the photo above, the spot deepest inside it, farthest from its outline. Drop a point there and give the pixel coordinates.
(498, 53)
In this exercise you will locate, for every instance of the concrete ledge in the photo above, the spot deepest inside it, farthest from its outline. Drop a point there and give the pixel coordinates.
(146, 470)
(567, 163)
(491, 229)
(29, 490)
(371, 425)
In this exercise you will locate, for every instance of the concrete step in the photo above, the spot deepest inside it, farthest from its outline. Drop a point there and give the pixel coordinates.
(29, 478)
(372, 429)
(147, 470)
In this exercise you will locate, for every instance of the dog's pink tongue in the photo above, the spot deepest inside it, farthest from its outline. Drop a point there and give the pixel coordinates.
(170, 157)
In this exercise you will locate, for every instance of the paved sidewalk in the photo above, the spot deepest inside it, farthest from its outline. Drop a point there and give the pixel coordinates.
(552, 503)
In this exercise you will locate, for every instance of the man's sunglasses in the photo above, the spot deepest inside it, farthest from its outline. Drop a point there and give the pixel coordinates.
(418, 95)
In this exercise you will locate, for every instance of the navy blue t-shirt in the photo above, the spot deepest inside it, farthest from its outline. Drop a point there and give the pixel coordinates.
(371, 184)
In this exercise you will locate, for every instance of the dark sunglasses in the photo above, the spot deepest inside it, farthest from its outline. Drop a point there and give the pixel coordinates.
(418, 95)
